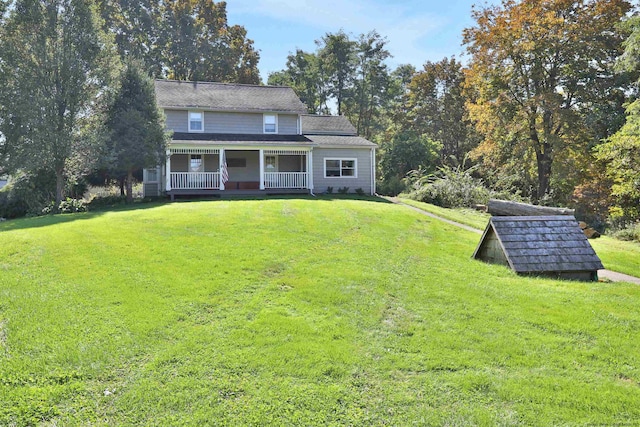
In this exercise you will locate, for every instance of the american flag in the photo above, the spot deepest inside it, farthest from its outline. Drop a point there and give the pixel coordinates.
(224, 173)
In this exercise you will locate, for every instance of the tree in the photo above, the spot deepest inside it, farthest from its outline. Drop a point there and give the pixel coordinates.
(372, 83)
(183, 39)
(535, 66)
(134, 128)
(404, 150)
(136, 25)
(621, 152)
(303, 75)
(337, 55)
(56, 65)
(196, 43)
(437, 108)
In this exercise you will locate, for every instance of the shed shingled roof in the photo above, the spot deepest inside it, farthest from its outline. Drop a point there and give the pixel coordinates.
(541, 244)
(227, 97)
(327, 125)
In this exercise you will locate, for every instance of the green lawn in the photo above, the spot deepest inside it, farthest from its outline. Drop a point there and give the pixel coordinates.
(616, 255)
(466, 216)
(298, 312)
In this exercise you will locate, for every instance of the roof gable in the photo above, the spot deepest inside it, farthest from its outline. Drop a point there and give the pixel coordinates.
(227, 97)
(539, 244)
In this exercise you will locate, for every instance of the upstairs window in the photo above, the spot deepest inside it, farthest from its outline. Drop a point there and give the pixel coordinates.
(339, 168)
(270, 123)
(195, 121)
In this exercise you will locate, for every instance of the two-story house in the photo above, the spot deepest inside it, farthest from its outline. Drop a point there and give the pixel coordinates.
(246, 138)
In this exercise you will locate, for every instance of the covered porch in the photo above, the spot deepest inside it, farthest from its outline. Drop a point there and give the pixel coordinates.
(210, 171)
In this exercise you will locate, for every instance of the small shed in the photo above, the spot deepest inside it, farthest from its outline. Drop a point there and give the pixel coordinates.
(539, 245)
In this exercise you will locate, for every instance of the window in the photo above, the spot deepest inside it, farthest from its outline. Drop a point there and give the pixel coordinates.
(270, 123)
(238, 162)
(339, 168)
(195, 121)
(152, 175)
(270, 163)
(195, 163)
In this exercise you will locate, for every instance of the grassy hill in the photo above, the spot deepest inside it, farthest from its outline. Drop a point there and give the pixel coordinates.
(298, 312)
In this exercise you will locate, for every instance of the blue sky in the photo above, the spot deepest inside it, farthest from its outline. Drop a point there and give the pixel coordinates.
(417, 30)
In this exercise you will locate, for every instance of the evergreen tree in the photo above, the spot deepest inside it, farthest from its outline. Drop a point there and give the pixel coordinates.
(134, 127)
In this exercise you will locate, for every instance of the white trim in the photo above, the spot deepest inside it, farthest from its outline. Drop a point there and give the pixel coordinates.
(274, 148)
(222, 110)
(264, 117)
(373, 171)
(261, 168)
(189, 121)
(310, 169)
(194, 150)
(221, 156)
(168, 172)
(341, 159)
(286, 152)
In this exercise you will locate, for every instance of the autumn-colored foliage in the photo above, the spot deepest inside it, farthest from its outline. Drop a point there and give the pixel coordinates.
(536, 69)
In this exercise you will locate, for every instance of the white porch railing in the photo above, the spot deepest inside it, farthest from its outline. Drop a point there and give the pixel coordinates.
(195, 180)
(285, 180)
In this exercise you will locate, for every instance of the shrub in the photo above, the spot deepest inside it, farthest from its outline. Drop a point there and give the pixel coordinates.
(329, 190)
(72, 206)
(27, 195)
(391, 186)
(359, 191)
(630, 232)
(449, 188)
(108, 200)
(343, 190)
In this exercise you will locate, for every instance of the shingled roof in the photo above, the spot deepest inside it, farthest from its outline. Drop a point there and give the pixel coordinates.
(546, 245)
(227, 97)
(239, 139)
(327, 125)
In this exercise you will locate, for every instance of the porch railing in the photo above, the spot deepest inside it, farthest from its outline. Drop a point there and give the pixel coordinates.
(195, 180)
(285, 180)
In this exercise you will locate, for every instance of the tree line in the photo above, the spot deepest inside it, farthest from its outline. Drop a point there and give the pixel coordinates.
(545, 105)
(76, 88)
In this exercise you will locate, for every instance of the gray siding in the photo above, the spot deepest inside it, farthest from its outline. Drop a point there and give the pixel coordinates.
(363, 169)
(287, 124)
(180, 163)
(150, 190)
(176, 120)
(211, 163)
(249, 173)
(288, 163)
(232, 122)
(236, 123)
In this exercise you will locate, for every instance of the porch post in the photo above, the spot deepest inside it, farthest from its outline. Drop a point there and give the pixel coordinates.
(262, 169)
(310, 170)
(220, 156)
(168, 171)
(373, 171)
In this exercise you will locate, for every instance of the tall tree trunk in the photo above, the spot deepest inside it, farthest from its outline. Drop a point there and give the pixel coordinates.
(544, 174)
(130, 186)
(59, 186)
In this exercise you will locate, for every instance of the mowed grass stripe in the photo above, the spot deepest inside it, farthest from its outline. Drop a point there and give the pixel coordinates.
(298, 312)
